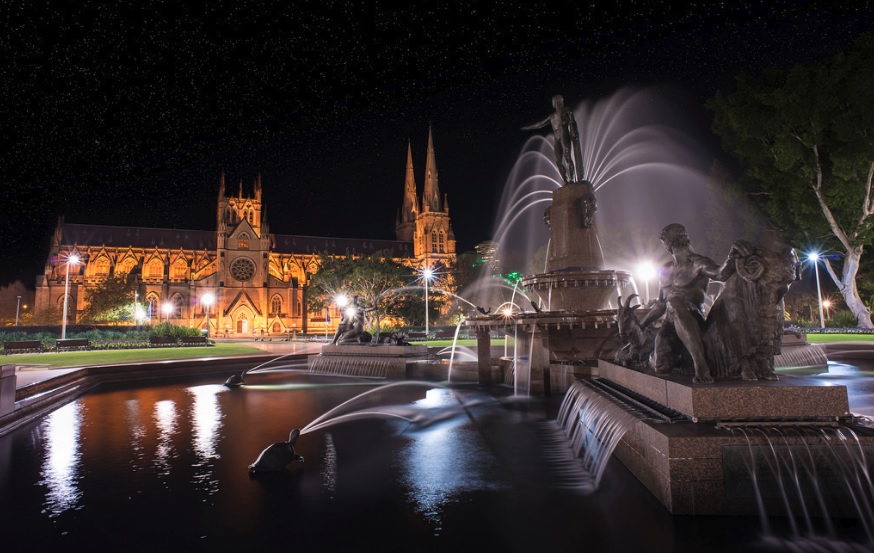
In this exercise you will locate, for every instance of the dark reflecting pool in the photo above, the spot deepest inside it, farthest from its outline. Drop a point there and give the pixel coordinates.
(164, 468)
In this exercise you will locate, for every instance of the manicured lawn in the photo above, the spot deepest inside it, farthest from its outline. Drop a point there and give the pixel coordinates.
(81, 358)
(831, 338)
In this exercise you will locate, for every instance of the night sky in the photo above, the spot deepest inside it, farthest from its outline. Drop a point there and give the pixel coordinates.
(126, 112)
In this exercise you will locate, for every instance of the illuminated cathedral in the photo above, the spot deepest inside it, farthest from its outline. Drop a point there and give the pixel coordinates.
(238, 280)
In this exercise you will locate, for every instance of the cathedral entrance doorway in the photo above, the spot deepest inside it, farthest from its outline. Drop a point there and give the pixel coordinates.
(242, 323)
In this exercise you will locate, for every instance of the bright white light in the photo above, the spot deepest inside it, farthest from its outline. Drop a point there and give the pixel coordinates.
(646, 271)
(167, 308)
(207, 299)
(341, 300)
(427, 273)
(350, 313)
(813, 256)
(826, 303)
(140, 313)
(507, 311)
(73, 259)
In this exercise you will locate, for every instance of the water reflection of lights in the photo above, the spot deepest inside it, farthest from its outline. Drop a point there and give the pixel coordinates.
(63, 457)
(135, 429)
(165, 420)
(444, 460)
(206, 417)
(329, 466)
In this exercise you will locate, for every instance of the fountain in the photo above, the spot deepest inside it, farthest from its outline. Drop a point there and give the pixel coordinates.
(573, 323)
(574, 292)
(694, 443)
(354, 352)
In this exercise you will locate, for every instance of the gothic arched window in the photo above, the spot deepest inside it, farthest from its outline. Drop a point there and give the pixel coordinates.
(434, 241)
(155, 269)
(101, 267)
(153, 305)
(178, 301)
(243, 241)
(180, 270)
(276, 305)
(125, 267)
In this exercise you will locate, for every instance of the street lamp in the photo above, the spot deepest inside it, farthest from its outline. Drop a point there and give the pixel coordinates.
(427, 274)
(167, 308)
(814, 257)
(827, 304)
(208, 299)
(647, 272)
(72, 259)
(17, 309)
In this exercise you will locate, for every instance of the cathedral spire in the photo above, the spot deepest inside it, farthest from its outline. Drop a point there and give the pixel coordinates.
(431, 193)
(410, 207)
(222, 186)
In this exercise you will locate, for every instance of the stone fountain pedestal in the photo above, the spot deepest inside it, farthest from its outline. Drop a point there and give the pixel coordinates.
(574, 321)
(389, 362)
(690, 458)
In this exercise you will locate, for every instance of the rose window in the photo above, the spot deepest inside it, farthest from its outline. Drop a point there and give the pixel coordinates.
(243, 269)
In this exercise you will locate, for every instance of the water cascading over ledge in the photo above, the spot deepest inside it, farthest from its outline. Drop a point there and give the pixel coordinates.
(383, 361)
(688, 444)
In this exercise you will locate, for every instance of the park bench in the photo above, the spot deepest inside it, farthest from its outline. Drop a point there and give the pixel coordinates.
(23, 345)
(444, 334)
(416, 335)
(159, 341)
(194, 341)
(72, 343)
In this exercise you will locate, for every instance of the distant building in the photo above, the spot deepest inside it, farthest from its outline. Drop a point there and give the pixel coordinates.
(488, 252)
(259, 280)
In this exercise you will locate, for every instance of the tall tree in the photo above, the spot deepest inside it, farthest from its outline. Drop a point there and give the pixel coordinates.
(112, 300)
(806, 139)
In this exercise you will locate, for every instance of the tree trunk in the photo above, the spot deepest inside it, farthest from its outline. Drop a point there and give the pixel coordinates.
(848, 288)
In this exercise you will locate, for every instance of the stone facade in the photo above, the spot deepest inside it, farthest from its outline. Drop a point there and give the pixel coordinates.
(259, 280)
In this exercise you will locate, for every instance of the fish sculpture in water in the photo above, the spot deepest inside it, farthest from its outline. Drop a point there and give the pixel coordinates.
(276, 457)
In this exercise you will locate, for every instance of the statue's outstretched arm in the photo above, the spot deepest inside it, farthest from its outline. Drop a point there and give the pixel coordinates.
(536, 126)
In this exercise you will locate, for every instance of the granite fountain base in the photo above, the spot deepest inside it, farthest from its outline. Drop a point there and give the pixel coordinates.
(691, 445)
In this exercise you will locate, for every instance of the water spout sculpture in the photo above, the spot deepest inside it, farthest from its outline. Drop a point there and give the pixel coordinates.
(276, 457)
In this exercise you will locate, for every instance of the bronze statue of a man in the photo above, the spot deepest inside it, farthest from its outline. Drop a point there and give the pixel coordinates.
(682, 288)
(567, 138)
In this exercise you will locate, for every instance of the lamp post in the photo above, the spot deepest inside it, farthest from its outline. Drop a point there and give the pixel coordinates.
(507, 312)
(167, 308)
(17, 309)
(427, 273)
(71, 260)
(814, 256)
(208, 299)
(827, 304)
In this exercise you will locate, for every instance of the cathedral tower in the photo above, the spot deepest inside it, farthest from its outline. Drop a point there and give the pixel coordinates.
(434, 240)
